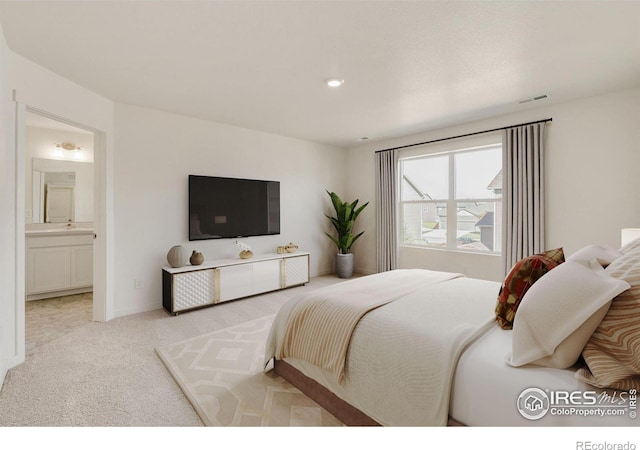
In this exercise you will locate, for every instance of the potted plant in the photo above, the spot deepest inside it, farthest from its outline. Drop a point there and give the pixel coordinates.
(345, 218)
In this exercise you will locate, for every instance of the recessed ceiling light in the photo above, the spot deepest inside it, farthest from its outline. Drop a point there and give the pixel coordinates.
(334, 82)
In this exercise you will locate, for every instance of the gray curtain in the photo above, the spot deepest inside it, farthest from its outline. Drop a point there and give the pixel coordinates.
(523, 193)
(387, 210)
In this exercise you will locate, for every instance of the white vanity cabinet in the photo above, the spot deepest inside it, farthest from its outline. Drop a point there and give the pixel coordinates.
(190, 287)
(58, 263)
(81, 265)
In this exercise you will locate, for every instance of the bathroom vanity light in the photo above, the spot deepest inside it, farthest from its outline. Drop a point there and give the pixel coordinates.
(69, 146)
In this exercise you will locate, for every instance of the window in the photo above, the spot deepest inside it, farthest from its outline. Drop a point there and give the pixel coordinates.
(453, 200)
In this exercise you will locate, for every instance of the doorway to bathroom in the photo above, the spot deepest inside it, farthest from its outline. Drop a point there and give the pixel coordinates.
(59, 228)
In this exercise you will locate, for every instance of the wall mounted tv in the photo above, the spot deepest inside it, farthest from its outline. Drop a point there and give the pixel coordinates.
(232, 207)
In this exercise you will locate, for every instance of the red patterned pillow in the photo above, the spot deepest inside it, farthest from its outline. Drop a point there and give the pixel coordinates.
(523, 274)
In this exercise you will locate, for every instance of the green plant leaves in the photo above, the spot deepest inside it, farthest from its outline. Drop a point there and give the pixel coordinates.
(343, 222)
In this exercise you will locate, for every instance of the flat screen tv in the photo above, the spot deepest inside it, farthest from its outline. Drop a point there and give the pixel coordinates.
(232, 207)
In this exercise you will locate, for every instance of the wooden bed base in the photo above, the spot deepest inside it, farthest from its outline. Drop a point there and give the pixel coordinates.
(343, 411)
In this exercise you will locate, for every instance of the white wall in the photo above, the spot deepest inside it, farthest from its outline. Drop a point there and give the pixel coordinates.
(592, 186)
(8, 351)
(33, 86)
(45, 91)
(156, 151)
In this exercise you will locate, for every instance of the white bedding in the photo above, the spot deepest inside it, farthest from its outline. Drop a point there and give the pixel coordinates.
(319, 325)
(485, 388)
(436, 353)
(402, 355)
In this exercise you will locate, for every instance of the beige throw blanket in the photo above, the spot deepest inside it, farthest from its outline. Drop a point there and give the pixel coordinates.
(402, 355)
(320, 324)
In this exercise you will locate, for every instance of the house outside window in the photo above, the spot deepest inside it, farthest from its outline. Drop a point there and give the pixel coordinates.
(453, 200)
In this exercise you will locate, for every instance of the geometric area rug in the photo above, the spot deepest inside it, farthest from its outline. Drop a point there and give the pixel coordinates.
(222, 375)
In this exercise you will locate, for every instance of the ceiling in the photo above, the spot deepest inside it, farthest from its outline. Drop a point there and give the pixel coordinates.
(408, 66)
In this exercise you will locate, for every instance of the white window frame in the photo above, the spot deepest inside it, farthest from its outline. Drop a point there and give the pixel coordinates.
(451, 202)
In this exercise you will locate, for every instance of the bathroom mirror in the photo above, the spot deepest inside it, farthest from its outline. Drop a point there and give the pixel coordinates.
(62, 191)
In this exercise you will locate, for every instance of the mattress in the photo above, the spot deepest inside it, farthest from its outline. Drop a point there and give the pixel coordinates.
(486, 391)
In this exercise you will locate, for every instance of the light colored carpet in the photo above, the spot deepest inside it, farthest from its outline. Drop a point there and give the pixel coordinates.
(108, 373)
(51, 318)
(222, 375)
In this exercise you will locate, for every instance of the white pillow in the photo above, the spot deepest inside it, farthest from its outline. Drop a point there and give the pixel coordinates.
(630, 246)
(560, 312)
(604, 254)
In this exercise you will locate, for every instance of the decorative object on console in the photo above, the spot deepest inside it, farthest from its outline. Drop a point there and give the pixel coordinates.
(291, 247)
(346, 215)
(245, 250)
(280, 249)
(177, 256)
(196, 258)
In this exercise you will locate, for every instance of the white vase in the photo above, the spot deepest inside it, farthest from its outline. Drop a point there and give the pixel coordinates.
(344, 265)
(177, 256)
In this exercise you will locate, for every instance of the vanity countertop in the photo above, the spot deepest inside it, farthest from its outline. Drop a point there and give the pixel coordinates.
(59, 232)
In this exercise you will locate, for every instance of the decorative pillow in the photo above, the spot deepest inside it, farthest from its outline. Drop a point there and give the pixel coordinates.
(523, 274)
(604, 254)
(612, 353)
(630, 246)
(560, 312)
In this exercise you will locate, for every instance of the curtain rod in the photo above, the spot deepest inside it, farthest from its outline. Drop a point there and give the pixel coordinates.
(463, 135)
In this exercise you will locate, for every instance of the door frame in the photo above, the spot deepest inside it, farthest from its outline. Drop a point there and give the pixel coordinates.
(102, 296)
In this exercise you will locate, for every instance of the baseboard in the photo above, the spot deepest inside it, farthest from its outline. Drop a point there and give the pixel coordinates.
(3, 374)
(59, 293)
(137, 310)
(7, 365)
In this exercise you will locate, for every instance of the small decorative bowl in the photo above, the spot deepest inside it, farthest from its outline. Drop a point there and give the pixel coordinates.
(246, 254)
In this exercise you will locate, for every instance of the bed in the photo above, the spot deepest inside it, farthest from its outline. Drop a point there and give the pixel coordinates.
(416, 347)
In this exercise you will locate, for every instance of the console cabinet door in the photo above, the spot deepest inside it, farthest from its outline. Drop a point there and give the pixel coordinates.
(296, 270)
(193, 289)
(266, 276)
(235, 281)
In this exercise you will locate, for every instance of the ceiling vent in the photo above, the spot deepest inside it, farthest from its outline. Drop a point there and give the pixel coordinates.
(532, 99)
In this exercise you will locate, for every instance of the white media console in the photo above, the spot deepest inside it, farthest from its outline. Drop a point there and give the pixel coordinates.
(191, 287)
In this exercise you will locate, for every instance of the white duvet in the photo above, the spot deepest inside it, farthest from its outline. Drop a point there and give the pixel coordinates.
(402, 355)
